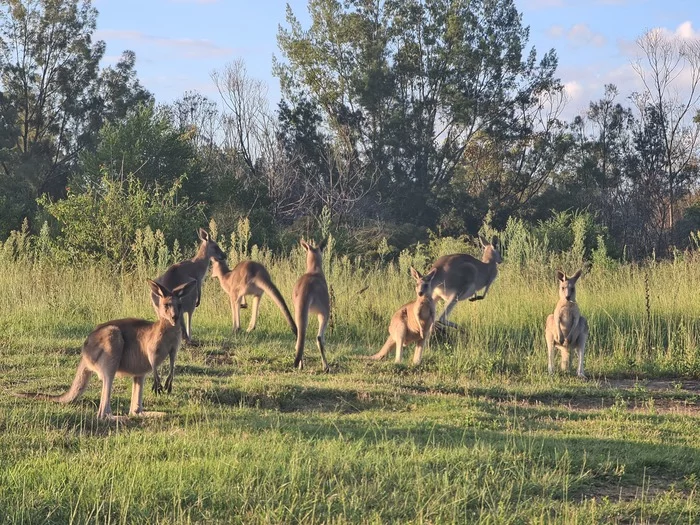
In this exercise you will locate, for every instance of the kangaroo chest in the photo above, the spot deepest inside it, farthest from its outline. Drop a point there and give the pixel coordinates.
(423, 316)
(567, 314)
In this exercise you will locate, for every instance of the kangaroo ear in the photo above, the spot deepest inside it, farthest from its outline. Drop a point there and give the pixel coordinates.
(576, 275)
(561, 276)
(494, 241)
(429, 276)
(304, 245)
(415, 274)
(322, 245)
(184, 289)
(203, 234)
(158, 289)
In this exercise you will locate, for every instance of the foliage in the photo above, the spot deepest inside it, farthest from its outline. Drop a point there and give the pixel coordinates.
(409, 84)
(54, 96)
(103, 223)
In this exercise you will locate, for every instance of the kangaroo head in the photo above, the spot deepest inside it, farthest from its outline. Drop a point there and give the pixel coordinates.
(218, 268)
(567, 285)
(491, 252)
(313, 254)
(169, 307)
(209, 249)
(424, 283)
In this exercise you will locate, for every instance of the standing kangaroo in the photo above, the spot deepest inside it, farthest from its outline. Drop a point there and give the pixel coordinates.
(566, 328)
(249, 278)
(185, 271)
(311, 295)
(413, 322)
(130, 347)
(460, 276)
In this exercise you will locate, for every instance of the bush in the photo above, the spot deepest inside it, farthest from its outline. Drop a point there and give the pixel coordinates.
(101, 224)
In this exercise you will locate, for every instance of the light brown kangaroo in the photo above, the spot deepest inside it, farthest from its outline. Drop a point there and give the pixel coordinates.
(249, 278)
(130, 347)
(185, 271)
(311, 295)
(566, 328)
(460, 276)
(413, 322)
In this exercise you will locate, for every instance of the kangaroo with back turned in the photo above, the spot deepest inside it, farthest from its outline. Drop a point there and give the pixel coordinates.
(413, 322)
(249, 278)
(184, 271)
(130, 347)
(566, 328)
(460, 276)
(311, 296)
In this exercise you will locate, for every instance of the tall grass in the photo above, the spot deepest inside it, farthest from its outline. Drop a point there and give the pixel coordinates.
(477, 434)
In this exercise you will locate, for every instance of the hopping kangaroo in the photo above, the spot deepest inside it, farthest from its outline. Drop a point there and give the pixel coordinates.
(311, 296)
(184, 271)
(566, 327)
(130, 347)
(460, 276)
(249, 278)
(413, 322)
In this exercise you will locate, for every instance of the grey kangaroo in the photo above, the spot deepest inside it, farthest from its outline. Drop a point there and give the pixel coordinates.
(184, 271)
(413, 322)
(130, 347)
(566, 328)
(460, 276)
(311, 296)
(249, 278)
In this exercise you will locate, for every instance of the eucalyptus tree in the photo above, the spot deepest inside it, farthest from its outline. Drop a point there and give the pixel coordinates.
(409, 84)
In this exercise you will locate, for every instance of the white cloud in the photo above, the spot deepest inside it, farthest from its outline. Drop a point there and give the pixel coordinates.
(556, 31)
(582, 35)
(685, 30)
(189, 47)
(578, 35)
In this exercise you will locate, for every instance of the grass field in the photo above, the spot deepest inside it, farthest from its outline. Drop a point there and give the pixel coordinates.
(477, 434)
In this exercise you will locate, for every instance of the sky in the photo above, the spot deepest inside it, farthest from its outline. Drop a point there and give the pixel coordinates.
(179, 43)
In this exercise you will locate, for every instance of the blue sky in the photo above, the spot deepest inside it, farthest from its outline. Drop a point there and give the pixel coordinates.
(178, 43)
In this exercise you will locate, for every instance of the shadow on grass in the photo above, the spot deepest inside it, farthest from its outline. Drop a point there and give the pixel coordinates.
(302, 399)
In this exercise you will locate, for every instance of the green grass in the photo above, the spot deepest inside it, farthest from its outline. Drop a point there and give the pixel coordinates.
(477, 434)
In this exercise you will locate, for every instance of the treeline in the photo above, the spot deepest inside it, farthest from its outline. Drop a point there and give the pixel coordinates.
(399, 119)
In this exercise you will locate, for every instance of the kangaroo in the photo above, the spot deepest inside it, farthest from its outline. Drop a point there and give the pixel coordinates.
(130, 347)
(460, 276)
(413, 322)
(311, 295)
(248, 278)
(566, 328)
(184, 271)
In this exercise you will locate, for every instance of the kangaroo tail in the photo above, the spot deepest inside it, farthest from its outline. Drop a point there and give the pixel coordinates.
(390, 343)
(80, 383)
(301, 311)
(270, 289)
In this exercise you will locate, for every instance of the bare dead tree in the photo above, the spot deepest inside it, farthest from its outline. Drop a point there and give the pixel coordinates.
(669, 69)
(249, 125)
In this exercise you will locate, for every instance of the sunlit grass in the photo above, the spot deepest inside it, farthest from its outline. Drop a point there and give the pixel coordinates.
(477, 433)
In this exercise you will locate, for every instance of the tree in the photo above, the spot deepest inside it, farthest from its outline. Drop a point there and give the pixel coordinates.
(670, 71)
(52, 87)
(408, 84)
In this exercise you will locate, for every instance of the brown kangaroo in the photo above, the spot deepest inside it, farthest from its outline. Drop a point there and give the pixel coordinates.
(311, 295)
(130, 347)
(249, 278)
(413, 322)
(185, 271)
(566, 328)
(460, 276)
